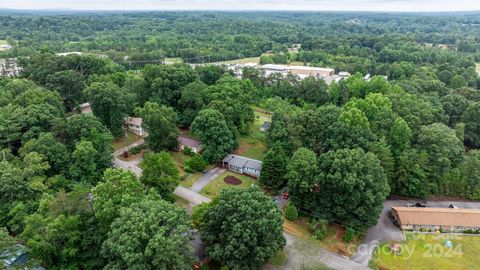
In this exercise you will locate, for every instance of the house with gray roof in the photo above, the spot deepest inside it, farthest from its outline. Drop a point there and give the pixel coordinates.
(243, 165)
(265, 126)
(193, 144)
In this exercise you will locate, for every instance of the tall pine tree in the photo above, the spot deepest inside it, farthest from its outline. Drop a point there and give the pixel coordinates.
(274, 168)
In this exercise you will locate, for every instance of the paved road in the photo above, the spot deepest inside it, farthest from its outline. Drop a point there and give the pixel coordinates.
(121, 150)
(184, 193)
(128, 165)
(206, 178)
(306, 254)
(384, 230)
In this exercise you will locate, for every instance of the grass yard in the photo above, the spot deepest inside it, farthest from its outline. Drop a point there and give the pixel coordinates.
(428, 251)
(124, 141)
(3, 42)
(279, 259)
(253, 145)
(478, 67)
(173, 60)
(213, 189)
(332, 241)
(188, 179)
(181, 202)
(240, 61)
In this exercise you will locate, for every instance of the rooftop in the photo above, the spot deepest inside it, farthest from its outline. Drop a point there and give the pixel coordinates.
(266, 125)
(188, 142)
(134, 121)
(438, 216)
(240, 161)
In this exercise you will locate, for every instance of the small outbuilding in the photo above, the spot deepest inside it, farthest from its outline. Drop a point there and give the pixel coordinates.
(265, 126)
(193, 144)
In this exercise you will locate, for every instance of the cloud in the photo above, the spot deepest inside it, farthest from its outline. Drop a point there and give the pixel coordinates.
(347, 5)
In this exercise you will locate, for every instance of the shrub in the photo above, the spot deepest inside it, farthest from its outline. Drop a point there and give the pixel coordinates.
(349, 235)
(319, 228)
(291, 212)
(188, 151)
(197, 214)
(187, 169)
(196, 163)
(136, 149)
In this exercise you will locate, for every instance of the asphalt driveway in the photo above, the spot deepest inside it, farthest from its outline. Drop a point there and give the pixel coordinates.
(206, 179)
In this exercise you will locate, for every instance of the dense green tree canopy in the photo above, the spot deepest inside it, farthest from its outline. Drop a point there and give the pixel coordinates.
(149, 234)
(242, 229)
(353, 184)
(117, 189)
(160, 173)
(211, 127)
(110, 104)
(159, 121)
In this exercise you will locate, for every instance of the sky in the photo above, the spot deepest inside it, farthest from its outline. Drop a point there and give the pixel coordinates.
(312, 5)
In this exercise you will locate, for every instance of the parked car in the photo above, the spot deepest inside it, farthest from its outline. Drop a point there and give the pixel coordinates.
(452, 206)
(285, 195)
(410, 205)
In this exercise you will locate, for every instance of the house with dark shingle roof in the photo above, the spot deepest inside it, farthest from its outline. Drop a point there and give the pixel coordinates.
(243, 165)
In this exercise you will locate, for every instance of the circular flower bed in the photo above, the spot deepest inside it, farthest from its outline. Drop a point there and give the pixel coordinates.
(232, 180)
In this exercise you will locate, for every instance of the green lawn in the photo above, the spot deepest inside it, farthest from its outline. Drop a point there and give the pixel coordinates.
(124, 141)
(173, 60)
(279, 259)
(240, 61)
(189, 179)
(478, 67)
(333, 239)
(428, 251)
(3, 42)
(253, 145)
(181, 202)
(213, 189)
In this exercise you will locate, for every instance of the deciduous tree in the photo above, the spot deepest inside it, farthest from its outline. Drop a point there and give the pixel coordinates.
(242, 229)
(214, 134)
(160, 173)
(149, 234)
(160, 123)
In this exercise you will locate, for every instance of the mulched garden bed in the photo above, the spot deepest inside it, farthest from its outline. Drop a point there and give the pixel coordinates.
(232, 180)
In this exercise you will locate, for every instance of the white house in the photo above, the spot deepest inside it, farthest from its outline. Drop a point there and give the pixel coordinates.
(134, 125)
(85, 108)
(243, 165)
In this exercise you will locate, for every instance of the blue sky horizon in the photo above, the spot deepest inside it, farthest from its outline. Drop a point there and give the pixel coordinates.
(250, 5)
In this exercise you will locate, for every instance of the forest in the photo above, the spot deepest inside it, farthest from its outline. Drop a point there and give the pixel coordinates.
(410, 130)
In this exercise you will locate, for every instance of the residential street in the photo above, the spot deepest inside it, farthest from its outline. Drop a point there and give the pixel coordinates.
(306, 254)
(123, 149)
(184, 193)
(206, 178)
